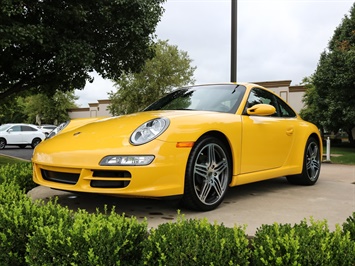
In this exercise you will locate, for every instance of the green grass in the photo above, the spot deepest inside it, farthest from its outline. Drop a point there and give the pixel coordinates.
(6, 160)
(342, 155)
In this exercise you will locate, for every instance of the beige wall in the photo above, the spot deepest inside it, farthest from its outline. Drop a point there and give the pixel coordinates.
(95, 110)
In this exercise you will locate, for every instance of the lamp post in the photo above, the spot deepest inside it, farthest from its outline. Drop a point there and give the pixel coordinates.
(234, 42)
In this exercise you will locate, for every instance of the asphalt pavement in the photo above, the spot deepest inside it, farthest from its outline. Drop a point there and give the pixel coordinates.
(331, 198)
(16, 152)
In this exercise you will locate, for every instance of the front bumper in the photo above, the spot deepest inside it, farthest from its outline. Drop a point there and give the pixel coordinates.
(163, 177)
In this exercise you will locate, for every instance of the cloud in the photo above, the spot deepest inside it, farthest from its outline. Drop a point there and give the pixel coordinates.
(276, 40)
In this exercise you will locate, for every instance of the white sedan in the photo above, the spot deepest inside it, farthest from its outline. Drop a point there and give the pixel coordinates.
(20, 135)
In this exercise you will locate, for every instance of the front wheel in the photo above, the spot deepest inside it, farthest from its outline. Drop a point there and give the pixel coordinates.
(208, 174)
(35, 142)
(2, 143)
(311, 165)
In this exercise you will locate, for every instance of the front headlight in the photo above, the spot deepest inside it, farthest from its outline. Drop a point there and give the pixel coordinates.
(149, 131)
(120, 160)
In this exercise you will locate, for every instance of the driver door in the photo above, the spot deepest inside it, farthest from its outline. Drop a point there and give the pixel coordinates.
(266, 140)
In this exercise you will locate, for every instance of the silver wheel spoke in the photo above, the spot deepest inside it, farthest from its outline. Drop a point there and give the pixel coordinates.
(220, 167)
(205, 191)
(218, 187)
(211, 155)
(201, 169)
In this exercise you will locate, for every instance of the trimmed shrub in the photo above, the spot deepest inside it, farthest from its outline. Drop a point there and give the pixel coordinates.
(20, 173)
(303, 244)
(276, 244)
(20, 218)
(92, 239)
(349, 226)
(196, 242)
(342, 248)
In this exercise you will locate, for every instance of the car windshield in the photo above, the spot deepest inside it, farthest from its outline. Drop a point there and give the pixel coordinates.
(219, 98)
(4, 127)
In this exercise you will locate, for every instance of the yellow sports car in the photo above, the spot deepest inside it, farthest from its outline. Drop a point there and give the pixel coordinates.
(193, 143)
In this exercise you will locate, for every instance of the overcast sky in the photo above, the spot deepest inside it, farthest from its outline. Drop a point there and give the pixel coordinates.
(276, 40)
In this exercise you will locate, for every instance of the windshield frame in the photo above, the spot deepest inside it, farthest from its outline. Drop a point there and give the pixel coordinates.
(198, 98)
(5, 127)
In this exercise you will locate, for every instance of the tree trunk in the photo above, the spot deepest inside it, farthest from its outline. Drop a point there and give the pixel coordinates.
(350, 135)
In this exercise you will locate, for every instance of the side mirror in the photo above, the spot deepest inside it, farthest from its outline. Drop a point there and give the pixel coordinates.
(261, 109)
(10, 130)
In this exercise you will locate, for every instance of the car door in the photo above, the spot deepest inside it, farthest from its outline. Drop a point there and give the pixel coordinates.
(28, 134)
(266, 140)
(14, 135)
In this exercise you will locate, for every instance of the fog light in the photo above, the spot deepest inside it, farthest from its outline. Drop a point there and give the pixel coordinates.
(126, 160)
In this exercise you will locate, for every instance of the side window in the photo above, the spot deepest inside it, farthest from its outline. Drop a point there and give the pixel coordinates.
(285, 110)
(16, 128)
(258, 96)
(27, 128)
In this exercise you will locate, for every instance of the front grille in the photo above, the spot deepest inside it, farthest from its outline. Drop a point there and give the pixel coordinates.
(60, 177)
(115, 175)
(105, 173)
(109, 184)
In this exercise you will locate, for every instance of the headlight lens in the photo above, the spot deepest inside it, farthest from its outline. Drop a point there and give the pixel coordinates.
(116, 160)
(149, 131)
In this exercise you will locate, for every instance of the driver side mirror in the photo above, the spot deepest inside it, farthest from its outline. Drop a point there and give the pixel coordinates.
(261, 109)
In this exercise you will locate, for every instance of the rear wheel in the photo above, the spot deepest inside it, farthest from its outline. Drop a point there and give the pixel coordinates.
(2, 143)
(35, 142)
(311, 165)
(208, 174)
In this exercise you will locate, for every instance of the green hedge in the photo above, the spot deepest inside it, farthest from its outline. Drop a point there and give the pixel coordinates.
(19, 173)
(307, 243)
(38, 233)
(196, 242)
(89, 239)
(20, 218)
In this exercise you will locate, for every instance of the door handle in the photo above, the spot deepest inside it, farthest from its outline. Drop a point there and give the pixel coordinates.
(289, 131)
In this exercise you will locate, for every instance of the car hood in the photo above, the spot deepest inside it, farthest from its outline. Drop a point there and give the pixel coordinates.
(117, 130)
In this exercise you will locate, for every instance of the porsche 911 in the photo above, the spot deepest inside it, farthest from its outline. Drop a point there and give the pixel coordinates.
(192, 144)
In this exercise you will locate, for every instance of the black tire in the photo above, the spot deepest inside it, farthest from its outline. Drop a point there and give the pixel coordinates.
(35, 142)
(2, 143)
(311, 165)
(208, 174)
(22, 146)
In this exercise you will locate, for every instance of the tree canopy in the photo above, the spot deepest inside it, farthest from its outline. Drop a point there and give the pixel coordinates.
(51, 45)
(333, 95)
(42, 109)
(38, 107)
(170, 68)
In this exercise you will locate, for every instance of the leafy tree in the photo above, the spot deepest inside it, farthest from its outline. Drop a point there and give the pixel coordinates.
(333, 95)
(12, 111)
(53, 45)
(41, 109)
(314, 105)
(49, 110)
(169, 68)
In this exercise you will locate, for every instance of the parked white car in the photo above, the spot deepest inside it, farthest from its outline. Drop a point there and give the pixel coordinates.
(20, 135)
(46, 129)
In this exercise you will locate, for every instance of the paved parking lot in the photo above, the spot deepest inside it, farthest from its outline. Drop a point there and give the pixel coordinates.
(15, 151)
(332, 198)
